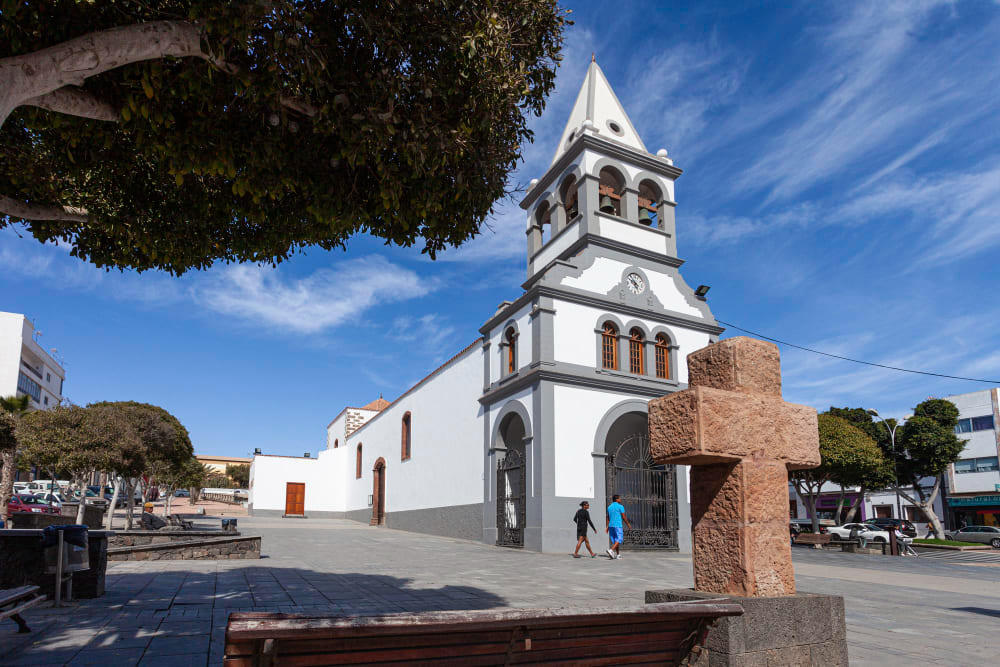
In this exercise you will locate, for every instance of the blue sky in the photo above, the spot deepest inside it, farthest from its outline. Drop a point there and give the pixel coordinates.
(841, 191)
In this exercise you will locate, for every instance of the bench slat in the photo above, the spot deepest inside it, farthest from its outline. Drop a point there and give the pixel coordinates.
(359, 652)
(15, 594)
(7, 613)
(258, 625)
(537, 635)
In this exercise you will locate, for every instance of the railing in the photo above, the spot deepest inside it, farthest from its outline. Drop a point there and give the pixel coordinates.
(220, 497)
(32, 369)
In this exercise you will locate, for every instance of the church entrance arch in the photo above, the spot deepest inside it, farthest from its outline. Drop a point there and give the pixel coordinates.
(648, 490)
(378, 493)
(511, 481)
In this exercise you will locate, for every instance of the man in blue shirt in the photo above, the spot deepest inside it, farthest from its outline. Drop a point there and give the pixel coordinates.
(616, 514)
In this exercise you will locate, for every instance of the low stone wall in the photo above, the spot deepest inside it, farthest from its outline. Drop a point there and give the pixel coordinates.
(231, 548)
(93, 517)
(140, 538)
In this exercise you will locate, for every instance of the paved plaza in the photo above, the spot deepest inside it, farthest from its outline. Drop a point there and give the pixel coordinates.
(899, 611)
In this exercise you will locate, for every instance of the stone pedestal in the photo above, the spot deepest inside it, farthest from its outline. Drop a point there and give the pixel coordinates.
(788, 630)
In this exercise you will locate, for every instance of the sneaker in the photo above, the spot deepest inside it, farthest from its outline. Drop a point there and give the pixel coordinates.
(618, 556)
(611, 554)
(593, 555)
(576, 555)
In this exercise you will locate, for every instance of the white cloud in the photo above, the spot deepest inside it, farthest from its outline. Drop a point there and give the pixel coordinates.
(324, 299)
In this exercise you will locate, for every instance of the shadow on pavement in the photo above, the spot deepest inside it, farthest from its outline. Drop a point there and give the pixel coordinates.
(144, 617)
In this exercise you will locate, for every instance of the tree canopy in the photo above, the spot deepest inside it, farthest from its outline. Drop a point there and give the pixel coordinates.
(170, 134)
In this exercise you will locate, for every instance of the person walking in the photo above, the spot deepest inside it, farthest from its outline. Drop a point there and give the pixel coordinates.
(615, 516)
(582, 518)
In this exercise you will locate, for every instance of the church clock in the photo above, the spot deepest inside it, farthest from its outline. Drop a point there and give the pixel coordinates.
(635, 283)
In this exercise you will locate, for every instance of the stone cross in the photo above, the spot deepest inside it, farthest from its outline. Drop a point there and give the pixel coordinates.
(741, 438)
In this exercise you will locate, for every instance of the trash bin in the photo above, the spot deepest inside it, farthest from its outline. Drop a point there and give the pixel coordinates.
(76, 554)
(229, 525)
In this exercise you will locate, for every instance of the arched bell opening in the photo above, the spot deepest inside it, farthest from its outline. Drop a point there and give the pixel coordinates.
(570, 198)
(650, 201)
(543, 218)
(612, 191)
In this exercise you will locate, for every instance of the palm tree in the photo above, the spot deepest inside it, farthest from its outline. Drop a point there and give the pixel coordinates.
(11, 408)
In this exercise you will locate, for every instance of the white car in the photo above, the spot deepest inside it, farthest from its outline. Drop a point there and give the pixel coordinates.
(864, 530)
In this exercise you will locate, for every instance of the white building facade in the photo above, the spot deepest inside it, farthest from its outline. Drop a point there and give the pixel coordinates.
(974, 480)
(548, 407)
(26, 369)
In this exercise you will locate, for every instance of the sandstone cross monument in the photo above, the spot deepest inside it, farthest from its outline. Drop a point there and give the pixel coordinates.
(741, 438)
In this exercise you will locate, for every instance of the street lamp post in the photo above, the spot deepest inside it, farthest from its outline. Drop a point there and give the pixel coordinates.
(892, 439)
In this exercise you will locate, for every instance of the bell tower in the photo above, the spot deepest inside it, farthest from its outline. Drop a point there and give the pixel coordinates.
(602, 184)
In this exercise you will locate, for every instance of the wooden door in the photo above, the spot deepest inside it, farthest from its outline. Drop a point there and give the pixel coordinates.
(295, 498)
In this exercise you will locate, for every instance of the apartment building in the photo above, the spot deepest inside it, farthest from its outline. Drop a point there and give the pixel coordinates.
(26, 368)
(974, 480)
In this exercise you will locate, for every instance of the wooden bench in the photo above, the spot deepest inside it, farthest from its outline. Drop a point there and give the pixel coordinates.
(661, 633)
(15, 600)
(816, 539)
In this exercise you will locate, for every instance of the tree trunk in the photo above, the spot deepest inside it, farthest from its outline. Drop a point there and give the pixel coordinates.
(6, 481)
(926, 505)
(855, 504)
(166, 501)
(129, 502)
(114, 501)
(839, 515)
(82, 507)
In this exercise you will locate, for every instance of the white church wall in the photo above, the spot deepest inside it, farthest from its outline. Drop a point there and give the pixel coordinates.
(270, 474)
(552, 250)
(336, 431)
(446, 444)
(605, 273)
(633, 234)
(577, 413)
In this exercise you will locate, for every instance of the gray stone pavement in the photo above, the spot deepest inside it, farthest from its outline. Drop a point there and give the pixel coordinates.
(174, 612)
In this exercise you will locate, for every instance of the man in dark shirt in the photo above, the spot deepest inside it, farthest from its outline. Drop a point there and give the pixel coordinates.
(582, 518)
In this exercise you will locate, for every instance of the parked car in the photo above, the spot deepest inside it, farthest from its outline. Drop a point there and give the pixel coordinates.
(28, 503)
(986, 534)
(182, 493)
(805, 525)
(866, 531)
(92, 498)
(54, 499)
(888, 523)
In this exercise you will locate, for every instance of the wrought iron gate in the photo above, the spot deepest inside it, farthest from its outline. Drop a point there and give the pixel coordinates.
(648, 491)
(510, 499)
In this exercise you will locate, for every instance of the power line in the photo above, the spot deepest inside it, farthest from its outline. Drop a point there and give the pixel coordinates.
(857, 361)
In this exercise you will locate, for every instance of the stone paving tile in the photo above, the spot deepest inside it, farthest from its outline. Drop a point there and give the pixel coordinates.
(114, 656)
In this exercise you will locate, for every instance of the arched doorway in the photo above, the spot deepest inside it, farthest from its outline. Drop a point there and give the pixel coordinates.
(378, 493)
(648, 490)
(511, 482)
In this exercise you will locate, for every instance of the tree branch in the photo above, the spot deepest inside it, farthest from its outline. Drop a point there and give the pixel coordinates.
(18, 209)
(70, 63)
(76, 101)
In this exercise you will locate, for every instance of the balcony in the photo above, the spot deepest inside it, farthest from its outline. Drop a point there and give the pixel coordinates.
(26, 385)
(34, 370)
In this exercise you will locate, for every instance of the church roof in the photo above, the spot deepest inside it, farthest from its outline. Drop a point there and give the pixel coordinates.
(378, 404)
(598, 104)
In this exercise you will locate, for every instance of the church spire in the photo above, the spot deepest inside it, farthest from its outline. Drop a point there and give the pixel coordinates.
(598, 110)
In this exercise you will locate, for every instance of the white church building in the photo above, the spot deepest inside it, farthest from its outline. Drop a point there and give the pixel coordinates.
(549, 406)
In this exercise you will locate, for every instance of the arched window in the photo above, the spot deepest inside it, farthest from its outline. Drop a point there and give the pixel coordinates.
(405, 444)
(609, 346)
(357, 472)
(336, 443)
(611, 188)
(662, 357)
(544, 219)
(635, 357)
(511, 337)
(570, 199)
(650, 200)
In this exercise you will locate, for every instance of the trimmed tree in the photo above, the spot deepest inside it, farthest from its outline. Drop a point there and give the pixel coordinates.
(844, 449)
(925, 448)
(170, 134)
(871, 469)
(239, 473)
(11, 407)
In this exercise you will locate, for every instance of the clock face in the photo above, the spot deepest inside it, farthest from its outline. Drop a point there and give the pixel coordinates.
(635, 284)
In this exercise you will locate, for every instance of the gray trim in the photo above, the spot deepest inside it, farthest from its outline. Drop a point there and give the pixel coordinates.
(458, 521)
(486, 363)
(671, 351)
(503, 345)
(542, 343)
(614, 413)
(490, 506)
(606, 147)
(583, 376)
(644, 299)
(599, 331)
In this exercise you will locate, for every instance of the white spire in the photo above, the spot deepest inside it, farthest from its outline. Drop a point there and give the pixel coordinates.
(598, 104)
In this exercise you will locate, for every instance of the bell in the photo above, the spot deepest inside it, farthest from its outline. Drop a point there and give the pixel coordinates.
(607, 206)
(644, 217)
